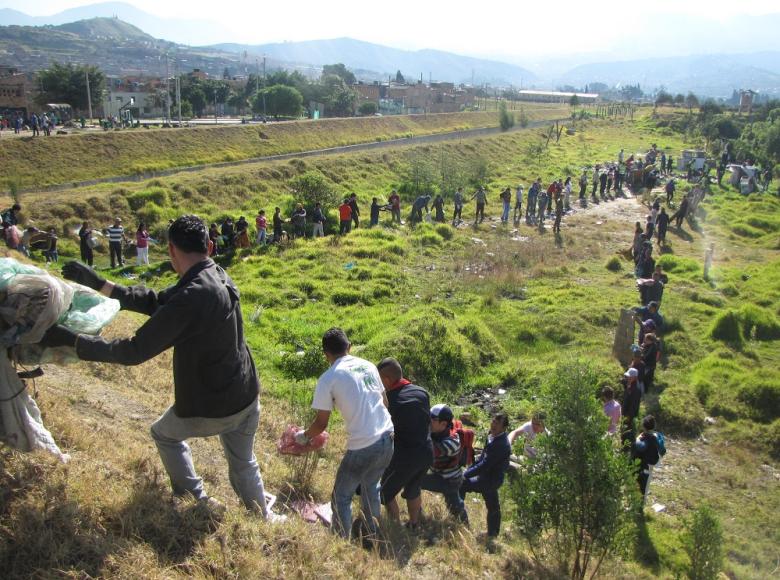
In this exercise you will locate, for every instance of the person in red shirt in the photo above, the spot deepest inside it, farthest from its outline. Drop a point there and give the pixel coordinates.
(395, 206)
(345, 218)
(142, 245)
(261, 223)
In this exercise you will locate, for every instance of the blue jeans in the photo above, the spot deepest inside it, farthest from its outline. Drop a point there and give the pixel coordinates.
(505, 214)
(363, 467)
(450, 489)
(237, 433)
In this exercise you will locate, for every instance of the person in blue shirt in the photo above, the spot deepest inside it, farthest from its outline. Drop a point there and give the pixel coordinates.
(487, 474)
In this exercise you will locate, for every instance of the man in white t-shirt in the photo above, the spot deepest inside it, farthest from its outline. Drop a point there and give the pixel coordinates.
(529, 431)
(353, 387)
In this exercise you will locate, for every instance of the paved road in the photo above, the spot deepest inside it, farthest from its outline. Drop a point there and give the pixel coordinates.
(439, 137)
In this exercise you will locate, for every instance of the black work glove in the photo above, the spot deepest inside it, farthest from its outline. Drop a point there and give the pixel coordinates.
(84, 275)
(58, 335)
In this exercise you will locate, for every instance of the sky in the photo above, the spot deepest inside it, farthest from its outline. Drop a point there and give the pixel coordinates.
(497, 29)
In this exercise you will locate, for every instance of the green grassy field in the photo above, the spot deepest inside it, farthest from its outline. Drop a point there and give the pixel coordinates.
(463, 309)
(128, 152)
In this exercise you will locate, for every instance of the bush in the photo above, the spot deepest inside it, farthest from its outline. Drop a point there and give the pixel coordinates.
(444, 231)
(703, 542)
(614, 264)
(680, 412)
(505, 118)
(156, 195)
(726, 328)
(672, 263)
(346, 297)
(763, 398)
(572, 498)
(758, 323)
(432, 352)
(313, 187)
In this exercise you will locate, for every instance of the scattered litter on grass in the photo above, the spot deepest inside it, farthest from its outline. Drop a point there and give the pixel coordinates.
(349, 265)
(478, 241)
(659, 507)
(520, 238)
(709, 420)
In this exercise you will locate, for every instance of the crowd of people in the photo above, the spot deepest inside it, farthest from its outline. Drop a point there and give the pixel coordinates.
(397, 442)
(35, 123)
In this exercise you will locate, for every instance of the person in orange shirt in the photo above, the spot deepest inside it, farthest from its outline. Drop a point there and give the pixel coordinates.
(345, 218)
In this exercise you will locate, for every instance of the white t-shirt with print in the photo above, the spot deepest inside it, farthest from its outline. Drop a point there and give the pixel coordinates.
(352, 385)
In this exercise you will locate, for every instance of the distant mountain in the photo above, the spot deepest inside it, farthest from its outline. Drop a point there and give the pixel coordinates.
(105, 29)
(385, 61)
(116, 47)
(709, 75)
(180, 30)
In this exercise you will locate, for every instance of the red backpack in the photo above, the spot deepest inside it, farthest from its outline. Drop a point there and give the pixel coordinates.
(466, 438)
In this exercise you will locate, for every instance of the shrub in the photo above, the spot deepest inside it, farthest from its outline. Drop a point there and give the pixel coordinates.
(444, 231)
(672, 263)
(726, 328)
(763, 397)
(758, 323)
(432, 352)
(703, 542)
(679, 411)
(156, 195)
(346, 297)
(614, 264)
(505, 119)
(563, 511)
(313, 187)
(305, 358)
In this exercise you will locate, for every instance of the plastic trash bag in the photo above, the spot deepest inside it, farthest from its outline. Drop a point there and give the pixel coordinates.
(31, 301)
(287, 445)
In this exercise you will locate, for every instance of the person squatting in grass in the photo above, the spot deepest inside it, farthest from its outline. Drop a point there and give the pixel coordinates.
(529, 431)
(353, 386)
(410, 408)
(446, 474)
(216, 386)
(487, 474)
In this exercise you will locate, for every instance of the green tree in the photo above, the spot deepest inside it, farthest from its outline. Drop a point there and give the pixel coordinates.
(197, 98)
(312, 187)
(574, 101)
(67, 83)
(340, 71)
(691, 101)
(368, 108)
(399, 78)
(279, 100)
(703, 542)
(505, 119)
(664, 98)
(575, 498)
(679, 99)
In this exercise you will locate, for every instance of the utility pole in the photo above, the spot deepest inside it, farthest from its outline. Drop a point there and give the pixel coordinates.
(216, 121)
(89, 96)
(167, 90)
(264, 83)
(178, 97)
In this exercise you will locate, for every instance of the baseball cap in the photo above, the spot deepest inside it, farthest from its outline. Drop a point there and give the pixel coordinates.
(649, 323)
(631, 373)
(441, 412)
(635, 348)
(652, 304)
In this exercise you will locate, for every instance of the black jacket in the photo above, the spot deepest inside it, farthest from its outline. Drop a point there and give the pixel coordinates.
(493, 462)
(200, 317)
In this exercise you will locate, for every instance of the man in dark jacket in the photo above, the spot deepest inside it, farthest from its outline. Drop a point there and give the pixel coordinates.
(410, 409)
(353, 205)
(215, 381)
(487, 475)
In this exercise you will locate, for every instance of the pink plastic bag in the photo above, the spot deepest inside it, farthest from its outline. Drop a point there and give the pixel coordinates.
(287, 445)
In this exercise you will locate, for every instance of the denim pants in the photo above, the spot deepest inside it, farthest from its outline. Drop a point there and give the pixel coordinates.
(505, 213)
(363, 467)
(237, 433)
(450, 489)
(490, 495)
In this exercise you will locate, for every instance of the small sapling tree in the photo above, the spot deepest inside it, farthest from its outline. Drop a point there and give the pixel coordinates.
(576, 498)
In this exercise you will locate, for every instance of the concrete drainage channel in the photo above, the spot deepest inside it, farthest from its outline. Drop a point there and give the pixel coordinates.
(422, 139)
